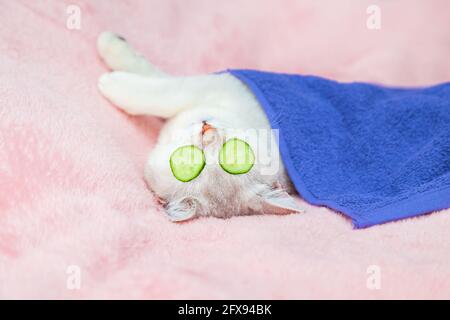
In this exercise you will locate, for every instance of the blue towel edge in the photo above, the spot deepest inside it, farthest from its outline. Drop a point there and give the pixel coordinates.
(414, 206)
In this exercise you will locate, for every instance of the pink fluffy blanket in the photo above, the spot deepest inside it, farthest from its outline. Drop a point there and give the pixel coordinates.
(76, 218)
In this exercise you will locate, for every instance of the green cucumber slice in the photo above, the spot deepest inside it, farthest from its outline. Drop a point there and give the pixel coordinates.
(236, 156)
(187, 162)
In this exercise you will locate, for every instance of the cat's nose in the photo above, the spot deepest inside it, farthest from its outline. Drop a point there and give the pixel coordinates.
(209, 134)
(206, 126)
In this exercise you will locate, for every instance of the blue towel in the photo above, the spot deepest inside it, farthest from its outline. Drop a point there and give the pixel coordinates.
(373, 153)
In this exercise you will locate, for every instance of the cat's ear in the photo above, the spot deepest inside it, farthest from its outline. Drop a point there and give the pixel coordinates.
(278, 201)
(182, 209)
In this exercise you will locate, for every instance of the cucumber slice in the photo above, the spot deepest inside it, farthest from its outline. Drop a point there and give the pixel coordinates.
(187, 162)
(236, 156)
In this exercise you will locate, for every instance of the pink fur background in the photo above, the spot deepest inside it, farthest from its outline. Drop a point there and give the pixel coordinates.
(71, 165)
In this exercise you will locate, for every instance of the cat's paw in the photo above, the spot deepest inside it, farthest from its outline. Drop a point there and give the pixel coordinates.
(119, 55)
(115, 87)
(112, 48)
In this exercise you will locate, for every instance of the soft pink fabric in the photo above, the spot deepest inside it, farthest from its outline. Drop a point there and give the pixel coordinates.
(71, 165)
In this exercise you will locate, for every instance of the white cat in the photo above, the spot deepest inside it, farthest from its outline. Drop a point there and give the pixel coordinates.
(204, 111)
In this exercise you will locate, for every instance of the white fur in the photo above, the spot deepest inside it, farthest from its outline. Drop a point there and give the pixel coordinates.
(139, 88)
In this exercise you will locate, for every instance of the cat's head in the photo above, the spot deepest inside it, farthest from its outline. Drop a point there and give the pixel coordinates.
(212, 188)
